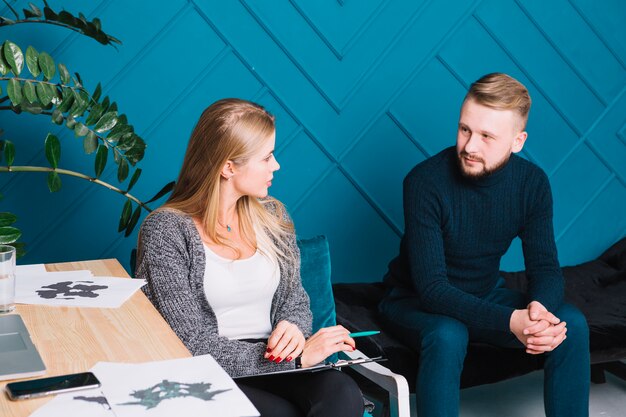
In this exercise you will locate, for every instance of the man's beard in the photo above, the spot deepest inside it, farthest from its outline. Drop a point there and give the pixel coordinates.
(485, 172)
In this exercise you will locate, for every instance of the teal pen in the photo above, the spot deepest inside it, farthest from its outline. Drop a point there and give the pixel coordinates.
(360, 334)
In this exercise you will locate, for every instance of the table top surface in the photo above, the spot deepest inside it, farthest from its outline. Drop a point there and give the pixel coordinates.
(73, 339)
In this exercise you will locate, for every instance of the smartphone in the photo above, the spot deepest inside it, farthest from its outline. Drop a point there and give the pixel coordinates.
(53, 385)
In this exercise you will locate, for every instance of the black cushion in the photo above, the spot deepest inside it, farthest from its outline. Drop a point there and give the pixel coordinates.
(597, 288)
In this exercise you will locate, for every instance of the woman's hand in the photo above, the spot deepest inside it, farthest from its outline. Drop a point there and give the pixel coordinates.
(324, 343)
(285, 343)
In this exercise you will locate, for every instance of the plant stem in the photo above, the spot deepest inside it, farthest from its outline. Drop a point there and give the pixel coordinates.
(46, 21)
(77, 175)
(104, 140)
(35, 80)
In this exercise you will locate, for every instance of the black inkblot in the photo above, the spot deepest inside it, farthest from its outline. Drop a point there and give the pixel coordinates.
(65, 288)
(152, 397)
(98, 400)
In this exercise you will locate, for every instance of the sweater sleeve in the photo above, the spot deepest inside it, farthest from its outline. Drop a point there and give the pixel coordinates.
(165, 261)
(545, 279)
(428, 273)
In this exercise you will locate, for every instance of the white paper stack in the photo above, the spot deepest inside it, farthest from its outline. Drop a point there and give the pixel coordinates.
(34, 285)
(190, 387)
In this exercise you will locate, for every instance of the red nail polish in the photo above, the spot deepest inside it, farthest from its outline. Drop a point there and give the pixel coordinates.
(268, 350)
(278, 360)
(289, 358)
(271, 357)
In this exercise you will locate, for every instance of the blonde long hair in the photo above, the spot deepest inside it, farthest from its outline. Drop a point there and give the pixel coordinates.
(229, 129)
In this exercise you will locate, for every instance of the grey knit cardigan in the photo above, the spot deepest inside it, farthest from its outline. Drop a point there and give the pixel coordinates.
(171, 258)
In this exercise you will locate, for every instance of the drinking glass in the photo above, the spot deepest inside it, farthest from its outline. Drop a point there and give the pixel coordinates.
(7, 278)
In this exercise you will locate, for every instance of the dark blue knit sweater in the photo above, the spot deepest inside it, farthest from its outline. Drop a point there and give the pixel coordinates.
(457, 230)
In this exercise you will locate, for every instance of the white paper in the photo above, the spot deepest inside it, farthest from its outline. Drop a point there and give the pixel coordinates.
(84, 403)
(33, 269)
(189, 387)
(75, 289)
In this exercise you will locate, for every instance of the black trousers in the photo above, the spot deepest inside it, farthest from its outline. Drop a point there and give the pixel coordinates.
(326, 393)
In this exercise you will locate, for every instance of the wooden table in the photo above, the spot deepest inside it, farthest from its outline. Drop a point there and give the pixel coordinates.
(73, 339)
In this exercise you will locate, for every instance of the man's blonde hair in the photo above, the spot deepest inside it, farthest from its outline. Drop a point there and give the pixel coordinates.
(501, 92)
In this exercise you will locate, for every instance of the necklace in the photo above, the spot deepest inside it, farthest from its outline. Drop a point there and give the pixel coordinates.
(227, 226)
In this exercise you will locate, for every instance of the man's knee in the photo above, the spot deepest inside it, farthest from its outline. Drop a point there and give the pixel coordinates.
(447, 336)
(576, 322)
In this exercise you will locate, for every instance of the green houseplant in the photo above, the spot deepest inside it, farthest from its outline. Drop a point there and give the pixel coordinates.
(31, 82)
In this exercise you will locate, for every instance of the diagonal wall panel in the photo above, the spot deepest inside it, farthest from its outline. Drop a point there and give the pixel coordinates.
(362, 92)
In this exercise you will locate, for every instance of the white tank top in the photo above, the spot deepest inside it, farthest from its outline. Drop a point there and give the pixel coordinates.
(240, 293)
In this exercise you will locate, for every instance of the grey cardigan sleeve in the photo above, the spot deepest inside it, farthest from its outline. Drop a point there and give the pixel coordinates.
(171, 259)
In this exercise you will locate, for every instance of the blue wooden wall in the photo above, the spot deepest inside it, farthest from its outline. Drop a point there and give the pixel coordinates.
(362, 90)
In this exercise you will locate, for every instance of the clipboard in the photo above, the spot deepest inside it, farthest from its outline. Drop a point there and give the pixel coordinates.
(320, 367)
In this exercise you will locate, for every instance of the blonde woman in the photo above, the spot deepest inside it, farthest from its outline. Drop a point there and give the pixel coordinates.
(222, 266)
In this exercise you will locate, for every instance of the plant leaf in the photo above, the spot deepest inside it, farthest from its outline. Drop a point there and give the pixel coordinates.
(54, 182)
(94, 114)
(133, 179)
(7, 219)
(70, 122)
(36, 10)
(46, 63)
(128, 141)
(168, 187)
(122, 170)
(9, 152)
(80, 130)
(81, 104)
(32, 61)
(48, 13)
(9, 234)
(64, 74)
(133, 221)
(67, 18)
(44, 94)
(14, 90)
(28, 14)
(67, 99)
(79, 81)
(14, 57)
(106, 122)
(53, 150)
(101, 159)
(57, 117)
(97, 92)
(105, 103)
(4, 67)
(125, 216)
(54, 93)
(34, 108)
(29, 92)
(90, 143)
(119, 130)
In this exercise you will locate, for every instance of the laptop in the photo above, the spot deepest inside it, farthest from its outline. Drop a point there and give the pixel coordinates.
(18, 355)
